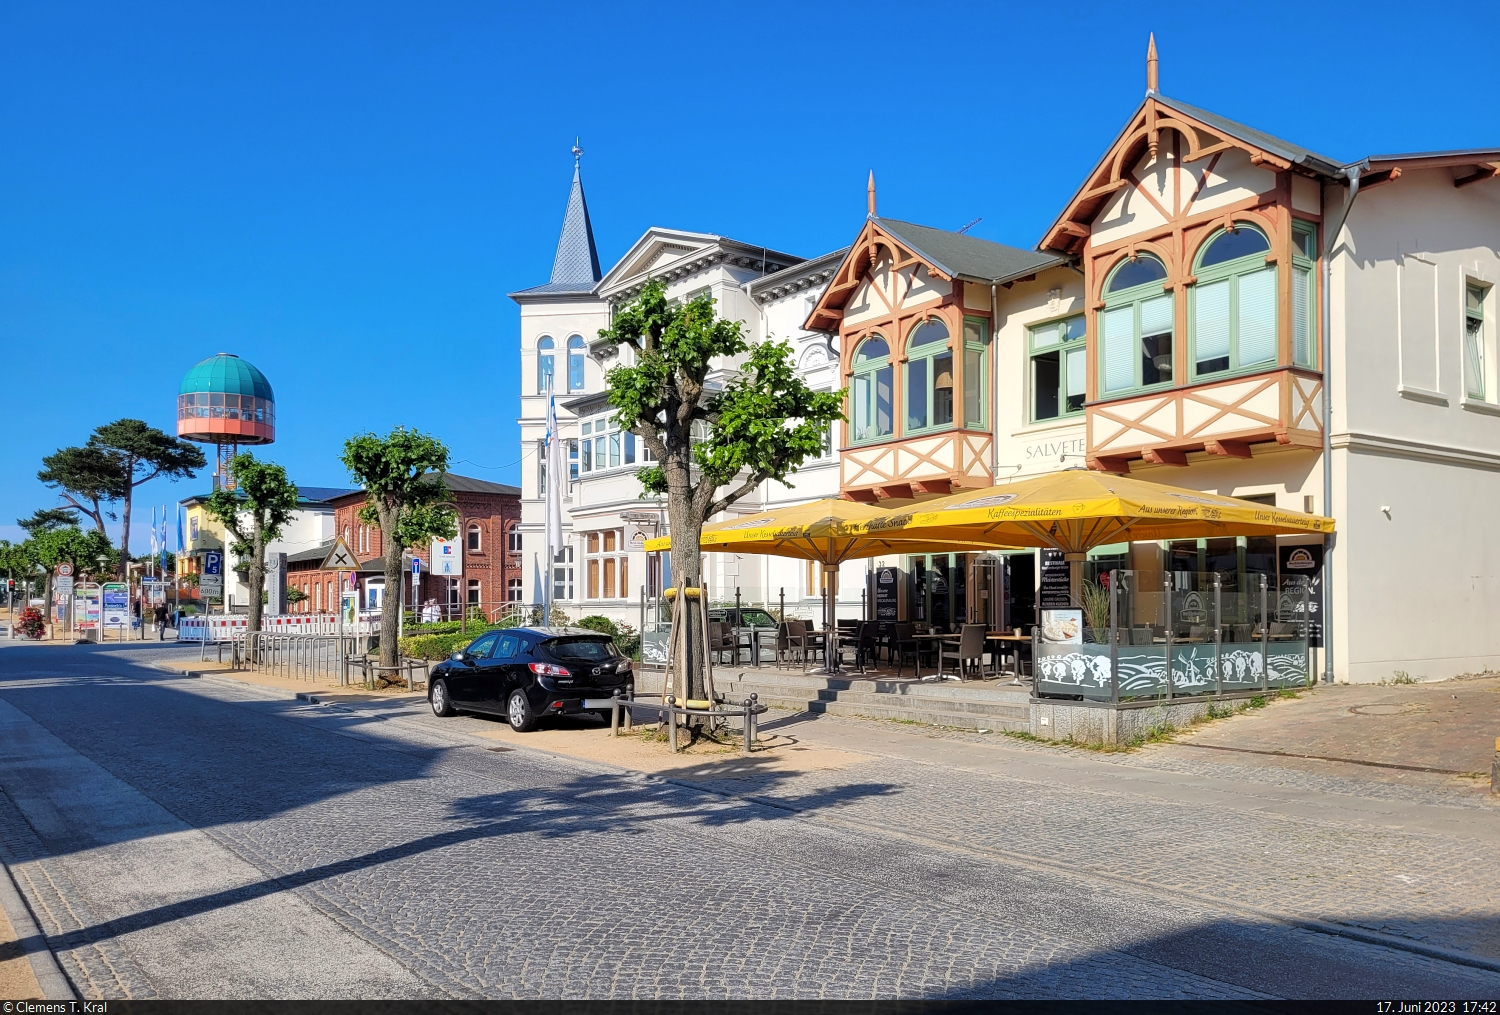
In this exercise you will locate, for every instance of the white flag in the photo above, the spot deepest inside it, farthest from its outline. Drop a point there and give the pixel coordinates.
(555, 479)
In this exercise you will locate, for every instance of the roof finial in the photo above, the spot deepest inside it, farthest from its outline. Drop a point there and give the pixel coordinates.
(870, 192)
(577, 153)
(1151, 85)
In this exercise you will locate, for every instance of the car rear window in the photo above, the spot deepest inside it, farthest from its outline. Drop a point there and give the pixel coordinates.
(583, 649)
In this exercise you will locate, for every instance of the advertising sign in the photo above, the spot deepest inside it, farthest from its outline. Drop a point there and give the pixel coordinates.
(888, 593)
(86, 607)
(154, 590)
(1056, 585)
(1062, 627)
(446, 559)
(115, 603)
(211, 581)
(1297, 564)
(350, 606)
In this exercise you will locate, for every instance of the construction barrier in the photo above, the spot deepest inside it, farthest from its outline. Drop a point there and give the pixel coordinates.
(218, 628)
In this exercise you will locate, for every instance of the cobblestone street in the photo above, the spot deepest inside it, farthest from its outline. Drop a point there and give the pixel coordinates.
(180, 837)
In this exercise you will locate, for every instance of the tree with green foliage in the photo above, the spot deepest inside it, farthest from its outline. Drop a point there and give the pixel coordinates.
(87, 478)
(142, 453)
(761, 424)
(43, 519)
(402, 476)
(253, 514)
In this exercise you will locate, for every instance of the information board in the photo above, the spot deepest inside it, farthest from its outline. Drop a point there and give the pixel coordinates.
(1056, 584)
(115, 603)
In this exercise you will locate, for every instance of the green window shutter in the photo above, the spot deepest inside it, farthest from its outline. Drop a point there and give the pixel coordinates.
(1117, 358)
(1257, 317)
(1211, 320)
(1301, 316)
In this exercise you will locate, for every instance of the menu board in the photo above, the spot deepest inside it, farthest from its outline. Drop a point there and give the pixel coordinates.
(1055, 589)
(888, 593)
(1295, 565)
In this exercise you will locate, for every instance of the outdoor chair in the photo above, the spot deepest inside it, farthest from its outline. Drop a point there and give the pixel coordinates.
(721, 640)
(867, 644)
(904, 643)
(788, 646)
(968, 654)
(1140, 636)
(813, 640)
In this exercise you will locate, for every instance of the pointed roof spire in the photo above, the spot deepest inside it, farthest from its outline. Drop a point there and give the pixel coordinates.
(577, 263)
(870, 192)
(1151, 61)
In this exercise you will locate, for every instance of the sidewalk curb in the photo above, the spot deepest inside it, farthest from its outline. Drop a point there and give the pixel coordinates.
(49, 975)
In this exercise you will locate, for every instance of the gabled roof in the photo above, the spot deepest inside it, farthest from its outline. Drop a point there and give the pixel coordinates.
(674, 253)
(959, 255)
(1206, 133)
(948, 255)
(575, 268)
(1295, 154)
(461, 484)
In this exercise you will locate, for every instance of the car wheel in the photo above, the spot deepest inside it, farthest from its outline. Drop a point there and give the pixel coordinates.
(442, 703)
(518, 711)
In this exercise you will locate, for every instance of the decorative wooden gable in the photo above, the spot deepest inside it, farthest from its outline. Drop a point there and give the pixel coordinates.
(1165, 165)
(880, 277)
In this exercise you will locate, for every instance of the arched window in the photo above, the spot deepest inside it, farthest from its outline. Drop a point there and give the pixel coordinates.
(929, 377)
(474, 542)
(871, 390)
(543, 365)
(575, 363)
(1233, 303)
(513, 536)
(1135, 327)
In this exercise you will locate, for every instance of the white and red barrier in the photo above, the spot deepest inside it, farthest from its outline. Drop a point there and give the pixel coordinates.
(216, 628)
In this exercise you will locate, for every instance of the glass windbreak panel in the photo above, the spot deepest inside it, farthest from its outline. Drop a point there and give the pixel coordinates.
(1138, 272)
(942, 390)
(1117, 328)
(1211, 326)
(1257, 317)
(1156, 340)
(916, 394)
(1232, 245)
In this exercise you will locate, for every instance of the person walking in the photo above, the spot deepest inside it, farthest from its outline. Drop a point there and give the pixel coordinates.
(161, 621)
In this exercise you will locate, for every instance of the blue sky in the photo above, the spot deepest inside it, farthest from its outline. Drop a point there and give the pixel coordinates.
(344, 194)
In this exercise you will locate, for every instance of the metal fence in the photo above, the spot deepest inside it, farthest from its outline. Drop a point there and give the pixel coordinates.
(299, 656)
(1148, 635)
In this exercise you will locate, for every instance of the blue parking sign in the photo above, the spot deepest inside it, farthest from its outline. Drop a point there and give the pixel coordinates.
(213, 561)
(416, 565)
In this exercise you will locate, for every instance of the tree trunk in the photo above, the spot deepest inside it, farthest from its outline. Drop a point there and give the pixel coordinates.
(257, 575)
(390, 614)
(687, 533)
(125, 520)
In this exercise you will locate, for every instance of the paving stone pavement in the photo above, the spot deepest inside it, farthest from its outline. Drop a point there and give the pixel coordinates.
(520, 874)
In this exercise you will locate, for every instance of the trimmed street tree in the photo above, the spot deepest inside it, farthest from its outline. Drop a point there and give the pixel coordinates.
(253, 513)
(402, 476)
(87, 478)
(762, 424)
(143, 453)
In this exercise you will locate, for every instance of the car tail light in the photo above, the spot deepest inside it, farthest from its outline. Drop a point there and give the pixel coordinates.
(549, 670)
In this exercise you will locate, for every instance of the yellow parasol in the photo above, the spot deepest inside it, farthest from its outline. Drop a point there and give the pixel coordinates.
(829, 531)
(1075, 510)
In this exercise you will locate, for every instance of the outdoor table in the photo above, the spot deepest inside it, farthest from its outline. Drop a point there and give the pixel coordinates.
(1016, 641)
(919, 638)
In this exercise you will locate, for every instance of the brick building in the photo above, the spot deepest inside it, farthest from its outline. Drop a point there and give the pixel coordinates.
(488, 514)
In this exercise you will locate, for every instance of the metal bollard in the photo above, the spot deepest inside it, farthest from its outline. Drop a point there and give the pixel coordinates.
(1495, 769)
(672, 723)
(746, 748)
(614, 714)
(754, 722)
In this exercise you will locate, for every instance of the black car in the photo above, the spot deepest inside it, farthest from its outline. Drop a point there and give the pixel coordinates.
(526, 673)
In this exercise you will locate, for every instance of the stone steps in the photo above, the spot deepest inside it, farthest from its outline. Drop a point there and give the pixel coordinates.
(946, 704)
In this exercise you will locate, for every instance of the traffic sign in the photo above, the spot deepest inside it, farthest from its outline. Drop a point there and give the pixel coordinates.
(416, 565)
(64, 585)
(65, 570)
(340, 558)
(211, 581)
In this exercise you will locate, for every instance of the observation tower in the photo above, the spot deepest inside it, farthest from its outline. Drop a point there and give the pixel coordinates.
(226, 402)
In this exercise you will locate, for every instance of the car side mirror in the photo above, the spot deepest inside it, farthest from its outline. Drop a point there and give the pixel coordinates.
(459, 656)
